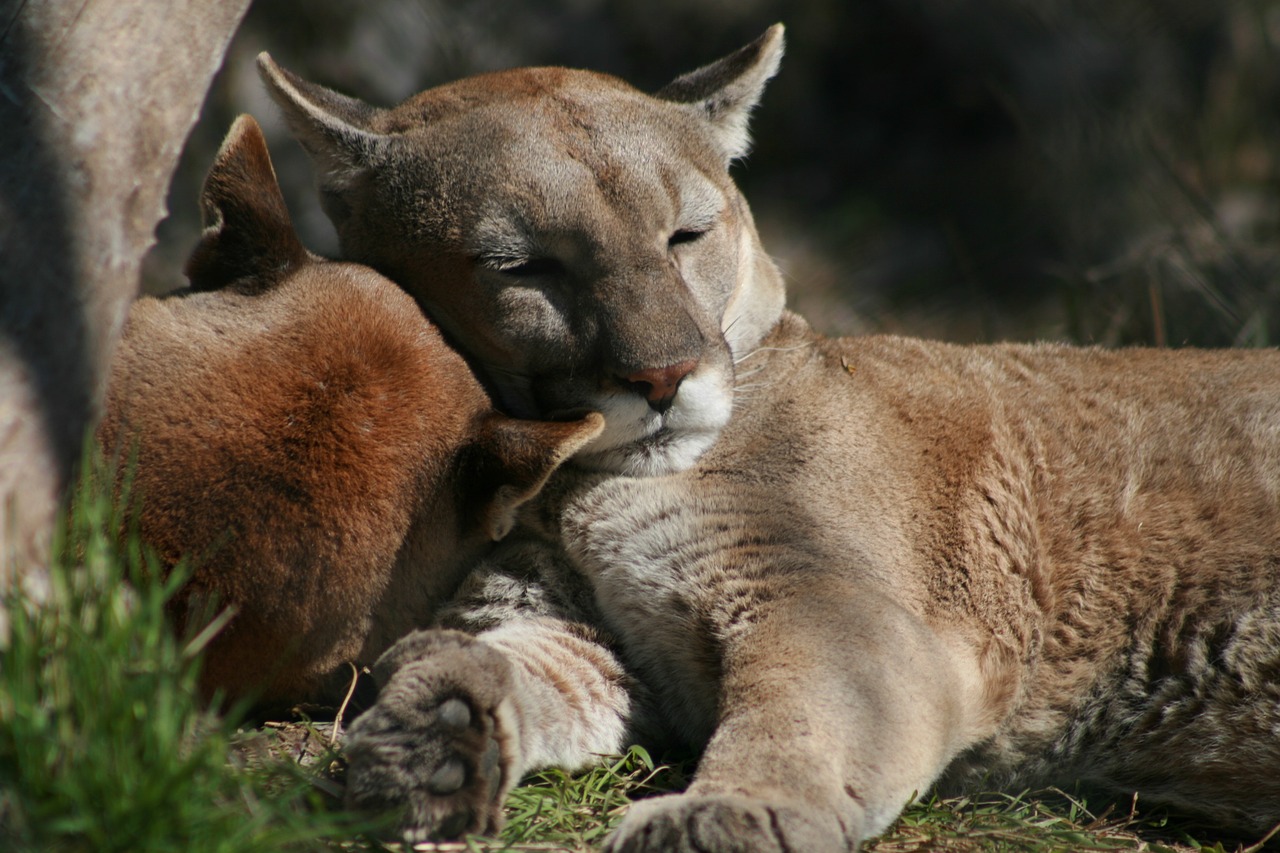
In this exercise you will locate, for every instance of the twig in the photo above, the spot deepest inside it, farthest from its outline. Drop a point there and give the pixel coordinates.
(1253, 848)
(342, 709)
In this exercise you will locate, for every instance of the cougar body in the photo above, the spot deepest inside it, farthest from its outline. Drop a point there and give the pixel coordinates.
(853, 569)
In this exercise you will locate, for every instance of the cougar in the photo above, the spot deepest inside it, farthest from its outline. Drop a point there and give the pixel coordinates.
(304, 436)
(847, 570)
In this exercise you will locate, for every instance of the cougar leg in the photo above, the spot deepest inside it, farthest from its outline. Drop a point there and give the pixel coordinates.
(817, 748)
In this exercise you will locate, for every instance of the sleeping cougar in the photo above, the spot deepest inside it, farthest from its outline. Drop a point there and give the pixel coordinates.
(897, 564)
(305, 436)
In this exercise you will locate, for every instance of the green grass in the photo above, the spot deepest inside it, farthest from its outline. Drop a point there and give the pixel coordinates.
(558, 811)
(578, 811)
(104, 746)
(103, 743)
(1003, 822)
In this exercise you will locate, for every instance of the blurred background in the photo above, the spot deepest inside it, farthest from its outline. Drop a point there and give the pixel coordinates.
(1103, 172)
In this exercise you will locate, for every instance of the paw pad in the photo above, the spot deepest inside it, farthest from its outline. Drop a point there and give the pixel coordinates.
(454, 713)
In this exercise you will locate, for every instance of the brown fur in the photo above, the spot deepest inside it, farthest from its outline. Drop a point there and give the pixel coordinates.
(913, 562)
(303, 434)
(899, 563)
(517, 216)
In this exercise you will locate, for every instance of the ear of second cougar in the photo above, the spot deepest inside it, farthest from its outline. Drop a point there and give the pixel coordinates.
(248, 242)
(726, 91)
(514, 458)
(333, 128)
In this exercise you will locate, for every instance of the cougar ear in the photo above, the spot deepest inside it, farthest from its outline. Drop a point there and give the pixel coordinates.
(727, 90)
(515, 457)
(248, 240)
(332, 128)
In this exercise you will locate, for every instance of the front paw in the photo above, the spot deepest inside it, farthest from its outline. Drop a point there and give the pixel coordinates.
(439, 745)
(691, 823)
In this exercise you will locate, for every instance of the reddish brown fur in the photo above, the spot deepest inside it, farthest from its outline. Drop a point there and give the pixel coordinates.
(303, 433)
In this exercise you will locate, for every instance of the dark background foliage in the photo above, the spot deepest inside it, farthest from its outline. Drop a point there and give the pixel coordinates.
(993, 169)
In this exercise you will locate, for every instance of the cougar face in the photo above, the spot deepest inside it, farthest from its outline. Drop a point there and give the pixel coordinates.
(581, 241)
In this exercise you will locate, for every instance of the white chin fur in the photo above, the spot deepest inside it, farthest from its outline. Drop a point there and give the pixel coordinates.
(639, 442)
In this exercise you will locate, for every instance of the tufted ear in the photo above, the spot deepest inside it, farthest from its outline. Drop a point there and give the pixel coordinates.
(332, 128)
(514, 458)
(248, 241)
(726, 91)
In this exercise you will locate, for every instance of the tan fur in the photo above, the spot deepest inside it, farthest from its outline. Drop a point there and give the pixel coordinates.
(900, 563)
(588, 238)
(300, 431)
(1034, 564)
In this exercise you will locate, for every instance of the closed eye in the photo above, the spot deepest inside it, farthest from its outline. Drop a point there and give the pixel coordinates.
(531, 267)
(685, 235)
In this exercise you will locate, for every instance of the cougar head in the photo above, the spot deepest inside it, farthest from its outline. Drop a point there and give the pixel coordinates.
(300, 431)
(581, 241)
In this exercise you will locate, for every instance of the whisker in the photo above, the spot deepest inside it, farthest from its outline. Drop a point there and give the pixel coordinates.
(759, 350)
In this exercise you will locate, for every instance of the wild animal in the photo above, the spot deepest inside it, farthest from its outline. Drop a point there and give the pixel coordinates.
(304, 436)
(1021, 564)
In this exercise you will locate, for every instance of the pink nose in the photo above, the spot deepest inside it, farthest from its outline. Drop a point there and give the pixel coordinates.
(659, 384)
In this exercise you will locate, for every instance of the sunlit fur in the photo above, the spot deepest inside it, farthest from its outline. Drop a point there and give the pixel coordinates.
(900, 564)
(547, 253)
